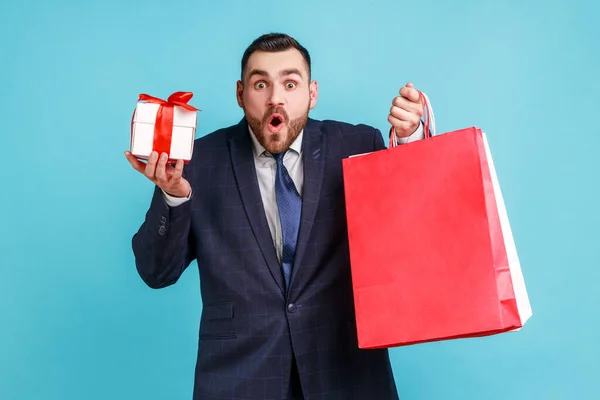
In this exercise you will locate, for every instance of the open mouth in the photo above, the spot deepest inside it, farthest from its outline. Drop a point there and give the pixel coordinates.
(275, 123)
(275, 120)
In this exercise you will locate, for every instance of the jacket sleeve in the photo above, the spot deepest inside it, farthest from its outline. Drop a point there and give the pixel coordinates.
(378, 143)
(162, 246)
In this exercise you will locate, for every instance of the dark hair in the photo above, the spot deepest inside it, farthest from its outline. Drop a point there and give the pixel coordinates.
(274, 42)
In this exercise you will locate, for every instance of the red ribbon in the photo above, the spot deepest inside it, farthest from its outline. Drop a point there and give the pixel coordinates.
(163, 127)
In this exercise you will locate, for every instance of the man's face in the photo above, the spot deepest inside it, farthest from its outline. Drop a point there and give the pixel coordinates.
(276, 96)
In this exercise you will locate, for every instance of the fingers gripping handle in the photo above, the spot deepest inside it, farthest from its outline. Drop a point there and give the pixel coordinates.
(428, 121)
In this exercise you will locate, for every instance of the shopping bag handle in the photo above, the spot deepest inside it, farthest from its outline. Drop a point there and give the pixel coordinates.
(428, 121)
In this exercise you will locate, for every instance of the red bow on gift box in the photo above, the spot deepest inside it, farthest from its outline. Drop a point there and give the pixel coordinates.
(163, 127)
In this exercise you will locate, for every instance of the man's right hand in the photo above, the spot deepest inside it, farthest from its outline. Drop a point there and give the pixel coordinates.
(166, 177)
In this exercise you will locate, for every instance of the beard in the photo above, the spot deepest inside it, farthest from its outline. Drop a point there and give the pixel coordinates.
(282, 140)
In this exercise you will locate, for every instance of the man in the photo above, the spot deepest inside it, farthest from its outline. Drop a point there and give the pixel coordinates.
(261, 208)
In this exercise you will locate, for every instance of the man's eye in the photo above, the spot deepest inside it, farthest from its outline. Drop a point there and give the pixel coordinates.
(290, 85)
(260, 85)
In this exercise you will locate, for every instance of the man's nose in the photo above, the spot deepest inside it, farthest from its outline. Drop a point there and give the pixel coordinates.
(276, 97)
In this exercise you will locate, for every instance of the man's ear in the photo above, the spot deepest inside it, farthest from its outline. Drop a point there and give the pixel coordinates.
(239, 91)
(314, 94)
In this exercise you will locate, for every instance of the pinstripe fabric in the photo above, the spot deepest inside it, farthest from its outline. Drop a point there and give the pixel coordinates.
(250, 329)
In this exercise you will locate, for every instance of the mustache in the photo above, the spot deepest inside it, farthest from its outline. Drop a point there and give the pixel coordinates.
(275, 110)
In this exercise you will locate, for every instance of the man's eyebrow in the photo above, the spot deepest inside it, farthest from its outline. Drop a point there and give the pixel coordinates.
(290, 71)
(257, 72)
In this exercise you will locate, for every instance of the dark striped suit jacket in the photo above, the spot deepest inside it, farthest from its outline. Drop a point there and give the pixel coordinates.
(251, 330)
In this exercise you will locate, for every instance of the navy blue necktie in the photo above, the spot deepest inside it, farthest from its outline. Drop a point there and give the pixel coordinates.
(289, 204)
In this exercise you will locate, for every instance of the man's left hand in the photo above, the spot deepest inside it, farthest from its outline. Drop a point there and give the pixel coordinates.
(407, 109)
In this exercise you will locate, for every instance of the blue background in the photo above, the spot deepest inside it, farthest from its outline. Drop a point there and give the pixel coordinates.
(76, 321)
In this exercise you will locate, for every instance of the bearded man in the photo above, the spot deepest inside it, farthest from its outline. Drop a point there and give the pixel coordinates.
(260, 207)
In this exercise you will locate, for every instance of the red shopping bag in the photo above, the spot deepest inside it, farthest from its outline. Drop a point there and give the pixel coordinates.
(431, 249)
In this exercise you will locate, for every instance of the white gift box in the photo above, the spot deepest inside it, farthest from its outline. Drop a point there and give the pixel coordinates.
(142, 132)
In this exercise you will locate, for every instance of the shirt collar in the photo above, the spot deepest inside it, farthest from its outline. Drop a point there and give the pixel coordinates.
(258, 149)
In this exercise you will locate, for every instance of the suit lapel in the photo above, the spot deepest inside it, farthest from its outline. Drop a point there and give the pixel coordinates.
(313, 151)
(242, 157)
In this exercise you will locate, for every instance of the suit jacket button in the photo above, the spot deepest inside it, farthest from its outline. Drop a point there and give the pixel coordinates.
(162, 230)
(291, 307)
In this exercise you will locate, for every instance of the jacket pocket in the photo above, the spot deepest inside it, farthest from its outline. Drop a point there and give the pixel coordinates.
(217, 321)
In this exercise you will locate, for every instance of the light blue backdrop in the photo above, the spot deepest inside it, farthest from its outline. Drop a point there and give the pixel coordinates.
(76, 321)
